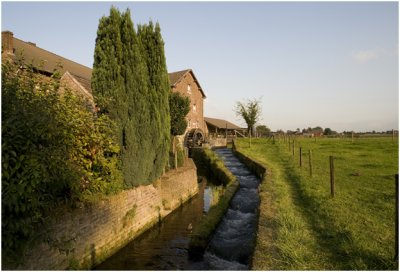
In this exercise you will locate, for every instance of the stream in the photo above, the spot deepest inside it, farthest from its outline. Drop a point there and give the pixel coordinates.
(165, 246)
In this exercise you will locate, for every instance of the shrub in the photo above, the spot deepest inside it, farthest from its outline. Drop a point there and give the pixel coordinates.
(54, 151)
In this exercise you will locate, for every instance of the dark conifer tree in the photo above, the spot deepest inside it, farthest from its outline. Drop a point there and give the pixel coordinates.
(130, 83)
(107, 81)
(152, 47)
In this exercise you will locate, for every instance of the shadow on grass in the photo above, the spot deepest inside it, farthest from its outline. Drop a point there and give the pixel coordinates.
(338, 243)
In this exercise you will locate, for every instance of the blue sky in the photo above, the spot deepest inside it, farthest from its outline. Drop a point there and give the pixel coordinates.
(329, 64)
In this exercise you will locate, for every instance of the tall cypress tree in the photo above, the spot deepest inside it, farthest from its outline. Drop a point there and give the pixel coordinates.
(130, 84)
(107, 81)
(138, 156)
(152, 47)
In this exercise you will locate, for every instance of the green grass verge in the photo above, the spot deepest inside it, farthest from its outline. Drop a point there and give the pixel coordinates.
(208, 161)
(302, 227)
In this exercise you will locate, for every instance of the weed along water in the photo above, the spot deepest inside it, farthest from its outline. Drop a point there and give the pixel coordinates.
(165, 246)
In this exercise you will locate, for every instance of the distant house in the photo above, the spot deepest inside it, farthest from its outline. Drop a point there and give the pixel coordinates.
(186, 83)
(74, 75)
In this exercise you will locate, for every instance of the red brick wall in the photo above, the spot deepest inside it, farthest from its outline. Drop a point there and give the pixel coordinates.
(195, 116)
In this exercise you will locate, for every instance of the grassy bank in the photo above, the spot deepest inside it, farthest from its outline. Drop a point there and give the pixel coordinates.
(303, 227)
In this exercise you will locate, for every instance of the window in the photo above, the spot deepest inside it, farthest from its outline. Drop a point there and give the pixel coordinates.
(189, 124)
(194, 107)
(189, 90)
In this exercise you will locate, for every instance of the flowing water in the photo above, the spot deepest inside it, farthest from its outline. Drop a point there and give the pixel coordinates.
(165, 246)
(232, 245)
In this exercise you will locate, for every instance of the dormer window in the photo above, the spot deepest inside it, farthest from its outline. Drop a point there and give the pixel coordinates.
(189, 90)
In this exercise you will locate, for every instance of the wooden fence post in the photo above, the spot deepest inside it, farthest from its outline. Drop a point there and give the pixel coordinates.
(332, 171)
(310, 161)
(293, 147)
(396, 249)
(352, 137)
(392, 135)
(300, 156)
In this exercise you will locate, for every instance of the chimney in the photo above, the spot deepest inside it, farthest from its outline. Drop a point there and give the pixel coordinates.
(7, 41)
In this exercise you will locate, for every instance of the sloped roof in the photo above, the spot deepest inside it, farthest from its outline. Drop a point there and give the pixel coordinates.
(220, 123)
(49, 62)
(176, 77)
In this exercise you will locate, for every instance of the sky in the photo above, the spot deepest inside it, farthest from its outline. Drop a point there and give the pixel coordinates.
(328, 64)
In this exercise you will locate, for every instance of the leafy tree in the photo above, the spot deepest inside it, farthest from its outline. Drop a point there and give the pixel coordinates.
(179, 106)
(329, 131)
(320, 129)
(263, 130)
(250, 111)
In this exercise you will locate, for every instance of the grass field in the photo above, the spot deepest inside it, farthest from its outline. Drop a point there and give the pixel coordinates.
(302, 227)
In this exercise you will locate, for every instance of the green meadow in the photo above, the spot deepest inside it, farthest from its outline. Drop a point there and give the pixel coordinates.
(302, 226)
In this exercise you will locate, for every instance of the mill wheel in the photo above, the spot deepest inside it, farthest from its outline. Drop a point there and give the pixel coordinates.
(194, 138)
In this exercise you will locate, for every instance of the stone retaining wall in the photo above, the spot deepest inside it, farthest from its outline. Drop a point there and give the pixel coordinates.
(84, 237)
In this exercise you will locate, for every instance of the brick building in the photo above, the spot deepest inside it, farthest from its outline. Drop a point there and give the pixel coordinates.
(186, 83)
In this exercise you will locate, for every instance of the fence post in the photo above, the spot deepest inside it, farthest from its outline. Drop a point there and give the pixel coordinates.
(396, 249)
(332, 168)
(293, 147)
(392, 135)
(300, 156)
(310, 161)
(352, 137)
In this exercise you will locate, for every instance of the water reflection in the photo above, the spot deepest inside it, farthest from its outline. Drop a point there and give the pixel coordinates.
(212, 194)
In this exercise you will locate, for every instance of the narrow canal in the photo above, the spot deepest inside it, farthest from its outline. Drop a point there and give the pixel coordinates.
(165, 246)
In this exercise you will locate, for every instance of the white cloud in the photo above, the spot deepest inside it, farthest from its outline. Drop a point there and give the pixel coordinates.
(365, 56)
